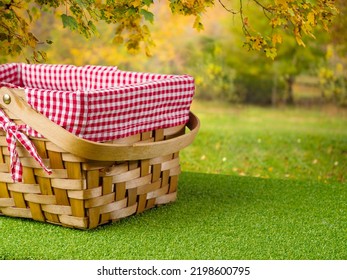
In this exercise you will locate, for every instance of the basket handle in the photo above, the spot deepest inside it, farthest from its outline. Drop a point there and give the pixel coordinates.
(12, 100)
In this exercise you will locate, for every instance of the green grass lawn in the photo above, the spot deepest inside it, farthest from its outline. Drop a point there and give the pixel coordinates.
(270, 143)
(290, 201)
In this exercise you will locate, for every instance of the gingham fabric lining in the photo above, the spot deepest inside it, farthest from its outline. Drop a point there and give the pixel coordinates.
(10, 75)
(101, 103)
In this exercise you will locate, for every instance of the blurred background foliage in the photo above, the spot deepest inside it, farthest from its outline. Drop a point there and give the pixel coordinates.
(223, 69)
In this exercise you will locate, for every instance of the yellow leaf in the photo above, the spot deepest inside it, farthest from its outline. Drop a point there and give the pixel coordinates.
(118, 40)
(276, 39)
(311, 19)
(245, 21)
(271, 53)
(300, 41)
(305, 6)
(136, 3)
(330, 52)
(339, 68)
(255, 42)
(189, 3)
(276, 22)
(282, 2)
(197, 24)
(298, 37)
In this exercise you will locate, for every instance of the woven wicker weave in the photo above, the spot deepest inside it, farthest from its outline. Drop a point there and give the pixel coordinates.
(91, 183)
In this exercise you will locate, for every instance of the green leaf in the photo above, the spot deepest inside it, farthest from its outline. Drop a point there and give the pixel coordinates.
(43, 55)
(69, 21)
(147, 2)
(147, 15)
(29, 15)
(3, 37)
(82, 3)
(8, 15)
(95, 13)
(92, 27)
(16, 49)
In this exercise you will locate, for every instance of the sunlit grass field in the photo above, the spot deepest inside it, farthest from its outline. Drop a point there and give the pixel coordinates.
(292, 143)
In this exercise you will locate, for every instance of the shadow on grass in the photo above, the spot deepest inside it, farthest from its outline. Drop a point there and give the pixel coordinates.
(215, 217)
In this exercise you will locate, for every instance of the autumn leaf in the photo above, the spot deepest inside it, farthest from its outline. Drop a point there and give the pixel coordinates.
(271, 53)
(276, 39)
(3, 36)
(32, 40)
(92, 27)
(298, 37)
(311, 19)
(69, 21)
(276, 22)
(245, 21)
(197, 24)
(147, 15)
(258, 43)
(118, 40)
(147, 2)
(282, 2)
(305, 6)
(136, 3)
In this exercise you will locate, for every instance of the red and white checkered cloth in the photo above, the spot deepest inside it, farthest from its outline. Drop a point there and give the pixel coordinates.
(15, 133)
(101, 103)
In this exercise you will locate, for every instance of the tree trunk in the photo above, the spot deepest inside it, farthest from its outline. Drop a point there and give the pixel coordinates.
(274, 94)
(289, 98)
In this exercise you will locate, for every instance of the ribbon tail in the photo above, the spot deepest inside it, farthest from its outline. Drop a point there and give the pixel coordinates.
(14, 133)
(23, 139)
(16, 169)
(15, 164)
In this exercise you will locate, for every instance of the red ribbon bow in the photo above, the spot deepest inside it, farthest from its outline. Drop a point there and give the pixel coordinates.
(15, 133)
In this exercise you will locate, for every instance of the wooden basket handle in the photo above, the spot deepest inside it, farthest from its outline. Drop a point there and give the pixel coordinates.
(12, 100)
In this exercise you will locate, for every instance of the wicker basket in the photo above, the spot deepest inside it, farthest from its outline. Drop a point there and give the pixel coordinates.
(91, 183)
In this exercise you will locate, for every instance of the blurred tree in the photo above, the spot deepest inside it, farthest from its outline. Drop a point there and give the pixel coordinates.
(292, 62)
(263, 81)
(338, 29)
(214, 78)
(299, 17)
(333, 71)
(333, 77)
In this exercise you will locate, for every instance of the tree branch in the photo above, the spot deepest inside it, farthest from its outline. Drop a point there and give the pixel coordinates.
(262, 6)
(227, 9)
(244, 28)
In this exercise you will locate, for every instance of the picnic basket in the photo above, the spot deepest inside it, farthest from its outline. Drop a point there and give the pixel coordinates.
(65, 179)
